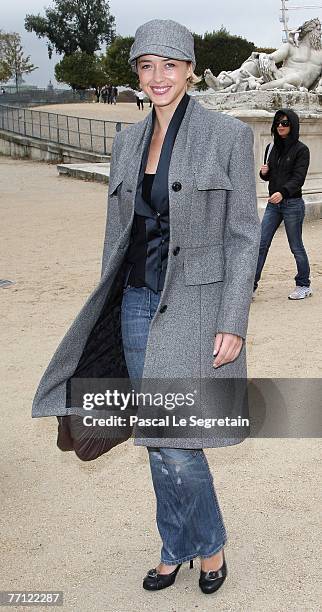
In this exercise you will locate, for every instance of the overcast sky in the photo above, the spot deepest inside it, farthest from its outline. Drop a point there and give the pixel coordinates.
(256, 20)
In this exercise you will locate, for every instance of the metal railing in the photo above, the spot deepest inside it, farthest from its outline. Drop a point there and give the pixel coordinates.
(90, 135)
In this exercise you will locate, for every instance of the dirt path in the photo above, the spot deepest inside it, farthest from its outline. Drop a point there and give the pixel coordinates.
(86, 529)
(125, 111)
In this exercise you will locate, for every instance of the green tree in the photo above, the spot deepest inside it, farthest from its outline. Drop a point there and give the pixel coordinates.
(5, 73)
(13, 62)
(219, 50)
(74, 25)
(82, 71)
(116, 62)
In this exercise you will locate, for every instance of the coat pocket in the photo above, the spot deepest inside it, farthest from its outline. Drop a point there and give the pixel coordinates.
(203, 265)
(210, 178)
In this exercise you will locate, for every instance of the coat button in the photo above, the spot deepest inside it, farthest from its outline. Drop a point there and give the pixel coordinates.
(176, 250)
(163, 308)
(176, 186)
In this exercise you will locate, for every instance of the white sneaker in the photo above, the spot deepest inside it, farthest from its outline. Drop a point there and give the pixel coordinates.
(300, 293)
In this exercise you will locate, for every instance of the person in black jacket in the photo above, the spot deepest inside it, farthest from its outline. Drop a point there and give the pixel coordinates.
(285, 170)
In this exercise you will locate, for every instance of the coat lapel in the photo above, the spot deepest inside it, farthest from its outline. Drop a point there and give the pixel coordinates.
(129, 164)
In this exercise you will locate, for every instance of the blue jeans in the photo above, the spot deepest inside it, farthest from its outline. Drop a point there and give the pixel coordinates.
(188, 516)
(292, 212)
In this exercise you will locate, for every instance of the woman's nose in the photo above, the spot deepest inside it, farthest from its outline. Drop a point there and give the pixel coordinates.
(158, 75)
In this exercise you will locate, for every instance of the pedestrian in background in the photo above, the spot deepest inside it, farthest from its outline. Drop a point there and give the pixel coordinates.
(285, 170)
(109, 94)
(115, 94)
(104, 94)
(141, 96)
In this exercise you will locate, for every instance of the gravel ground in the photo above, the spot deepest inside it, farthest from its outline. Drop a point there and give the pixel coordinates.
(89, 529)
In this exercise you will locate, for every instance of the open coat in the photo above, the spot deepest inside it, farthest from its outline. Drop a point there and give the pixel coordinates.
(213, 250)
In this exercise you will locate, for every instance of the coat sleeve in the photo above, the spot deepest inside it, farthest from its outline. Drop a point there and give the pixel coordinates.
(113, 223)
(241, 238)
(300, 168)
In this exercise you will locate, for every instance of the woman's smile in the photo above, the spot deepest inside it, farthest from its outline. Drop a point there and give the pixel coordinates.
(159, 90)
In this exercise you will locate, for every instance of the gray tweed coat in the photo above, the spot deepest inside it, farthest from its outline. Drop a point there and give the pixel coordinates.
(208, 285)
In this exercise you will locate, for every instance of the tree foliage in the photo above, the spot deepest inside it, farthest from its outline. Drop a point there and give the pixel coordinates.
(5, 73)
(116, 62)
(219, 50)
(13, 62)
(81, 71)
(74, 25)
(267, 50)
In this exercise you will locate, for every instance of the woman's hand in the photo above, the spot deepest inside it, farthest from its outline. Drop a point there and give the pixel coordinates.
(226, 347)
(275, 198)
(264, 169)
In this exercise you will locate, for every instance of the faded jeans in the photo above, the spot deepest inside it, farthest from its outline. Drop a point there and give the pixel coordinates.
(188, 516)
(292, 212)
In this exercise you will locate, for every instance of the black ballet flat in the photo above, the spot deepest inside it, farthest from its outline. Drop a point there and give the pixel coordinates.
(154, 581)
(212, 580)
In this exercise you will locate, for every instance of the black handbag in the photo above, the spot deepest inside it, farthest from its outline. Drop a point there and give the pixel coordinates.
(73, 435)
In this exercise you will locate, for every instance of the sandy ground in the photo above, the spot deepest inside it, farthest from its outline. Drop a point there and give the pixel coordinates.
(125, 111)
(89, 529)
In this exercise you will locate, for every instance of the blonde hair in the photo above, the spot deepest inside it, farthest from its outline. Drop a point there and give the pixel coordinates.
(192, 81)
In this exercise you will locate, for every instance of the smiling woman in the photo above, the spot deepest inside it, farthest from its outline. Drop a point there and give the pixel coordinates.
(172, 305)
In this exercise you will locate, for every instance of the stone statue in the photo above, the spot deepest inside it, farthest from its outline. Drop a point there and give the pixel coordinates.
(301, 69)
(244, 78)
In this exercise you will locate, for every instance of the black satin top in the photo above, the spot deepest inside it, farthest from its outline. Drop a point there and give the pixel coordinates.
(147, 255)
(147, 187)
(139, 251)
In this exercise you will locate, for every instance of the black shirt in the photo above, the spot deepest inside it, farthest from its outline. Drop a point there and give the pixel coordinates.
(147, 187)
(141, 240)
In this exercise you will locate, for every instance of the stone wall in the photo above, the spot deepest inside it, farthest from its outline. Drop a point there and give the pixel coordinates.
(15, 145)
(41, 97)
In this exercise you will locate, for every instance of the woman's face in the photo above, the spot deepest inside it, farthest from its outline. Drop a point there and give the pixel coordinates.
(283, 130)
(162, 79)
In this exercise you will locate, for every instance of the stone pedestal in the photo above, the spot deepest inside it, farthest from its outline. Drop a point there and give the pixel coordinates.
(269, 100)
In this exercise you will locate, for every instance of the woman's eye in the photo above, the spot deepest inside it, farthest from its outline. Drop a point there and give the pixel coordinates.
(170, 65)
(145, 66)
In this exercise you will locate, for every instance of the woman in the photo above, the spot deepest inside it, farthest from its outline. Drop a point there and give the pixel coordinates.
(179, 260)
(286, 171)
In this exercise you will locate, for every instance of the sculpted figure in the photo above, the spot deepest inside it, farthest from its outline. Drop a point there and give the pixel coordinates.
(301, 69)
(230, 80)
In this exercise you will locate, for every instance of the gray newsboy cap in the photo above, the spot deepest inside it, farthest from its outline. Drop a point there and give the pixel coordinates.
(163, 37)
